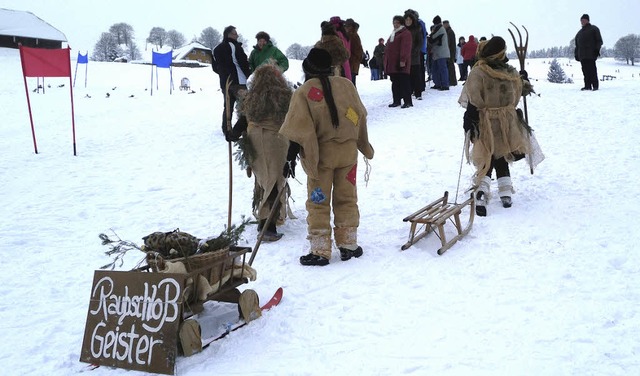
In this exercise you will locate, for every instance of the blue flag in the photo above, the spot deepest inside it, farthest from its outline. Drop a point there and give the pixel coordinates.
(161, 60)
(83, 59)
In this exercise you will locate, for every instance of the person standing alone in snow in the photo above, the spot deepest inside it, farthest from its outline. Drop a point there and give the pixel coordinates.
(588, 44)
(328, 120)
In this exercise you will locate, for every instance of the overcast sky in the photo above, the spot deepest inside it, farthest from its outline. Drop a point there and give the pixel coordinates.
(550, 22)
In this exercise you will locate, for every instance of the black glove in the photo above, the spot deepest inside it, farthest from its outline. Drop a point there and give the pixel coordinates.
(292, 155)
(524, 75)
(289, 169)
(470, 121)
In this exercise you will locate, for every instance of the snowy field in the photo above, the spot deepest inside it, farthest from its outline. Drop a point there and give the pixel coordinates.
(547, 287)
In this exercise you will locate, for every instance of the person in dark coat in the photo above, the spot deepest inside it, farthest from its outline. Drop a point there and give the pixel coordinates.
(451, 63)
(416, 73)
(236, 70)
(588, 44)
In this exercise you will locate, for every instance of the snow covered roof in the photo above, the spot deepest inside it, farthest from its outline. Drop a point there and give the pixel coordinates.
(183, 51)
(27, 25)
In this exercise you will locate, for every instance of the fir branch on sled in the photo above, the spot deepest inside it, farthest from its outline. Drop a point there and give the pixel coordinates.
(228, 237)
(117, 248)
(171, 247)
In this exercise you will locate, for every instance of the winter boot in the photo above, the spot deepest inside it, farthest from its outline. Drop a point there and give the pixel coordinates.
(482, 196)
(505, 189)
(320, 250)
(346, 253)
(270, 234)
(347, 242)
(313, 260)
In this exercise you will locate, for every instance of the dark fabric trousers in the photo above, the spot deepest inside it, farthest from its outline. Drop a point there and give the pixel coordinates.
(440, 72)
(590, 73)
(233, 97)
(451, 68)
(417, 80)
(401, 87)
(501, 166)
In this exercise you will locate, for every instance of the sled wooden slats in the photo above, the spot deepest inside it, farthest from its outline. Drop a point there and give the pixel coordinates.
(435, 216)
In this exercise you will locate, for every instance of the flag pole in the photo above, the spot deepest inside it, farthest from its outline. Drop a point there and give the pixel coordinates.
(26, 89)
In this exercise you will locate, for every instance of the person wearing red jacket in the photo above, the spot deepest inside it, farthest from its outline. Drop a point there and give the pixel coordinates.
(468, 52)
(397, 63)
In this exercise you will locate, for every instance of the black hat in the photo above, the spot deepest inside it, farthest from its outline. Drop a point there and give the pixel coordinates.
(317, 62)
(437, 20)
(585, 17)
(493, 46)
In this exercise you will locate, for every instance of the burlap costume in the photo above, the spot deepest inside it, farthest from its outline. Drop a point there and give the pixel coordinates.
(265, 107)
(270, 155)
(495, 89)
(329, 158)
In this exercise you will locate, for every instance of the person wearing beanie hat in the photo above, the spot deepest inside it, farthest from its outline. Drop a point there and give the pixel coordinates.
(329, 121)
(440, 55)
(498, 134)
(588, 44)
(264, 51)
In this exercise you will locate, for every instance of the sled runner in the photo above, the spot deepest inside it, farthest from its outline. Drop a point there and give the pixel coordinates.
(435, 216)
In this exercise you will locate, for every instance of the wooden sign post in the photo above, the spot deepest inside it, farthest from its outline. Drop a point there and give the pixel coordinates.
(133, 320)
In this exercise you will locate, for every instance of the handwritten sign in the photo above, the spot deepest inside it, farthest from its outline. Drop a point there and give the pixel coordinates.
(133, 320)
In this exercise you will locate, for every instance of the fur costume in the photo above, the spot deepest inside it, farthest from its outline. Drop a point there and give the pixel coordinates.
(331, 42)
(265, 106)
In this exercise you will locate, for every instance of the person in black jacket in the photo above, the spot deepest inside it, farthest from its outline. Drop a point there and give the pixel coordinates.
(588, 44)
(230, 62)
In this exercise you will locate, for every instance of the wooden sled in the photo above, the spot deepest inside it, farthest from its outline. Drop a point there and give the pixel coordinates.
(222, 269)
(436, 215)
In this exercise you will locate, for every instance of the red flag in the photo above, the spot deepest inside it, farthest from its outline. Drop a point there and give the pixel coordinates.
(41, 62)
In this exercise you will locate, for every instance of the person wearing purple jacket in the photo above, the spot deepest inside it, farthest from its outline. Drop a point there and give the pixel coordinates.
(397, 63)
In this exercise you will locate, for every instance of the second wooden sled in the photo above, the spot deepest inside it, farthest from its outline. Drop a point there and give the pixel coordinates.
(435, 216)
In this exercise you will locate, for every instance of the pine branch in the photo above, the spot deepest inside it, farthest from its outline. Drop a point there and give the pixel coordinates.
(117, 249)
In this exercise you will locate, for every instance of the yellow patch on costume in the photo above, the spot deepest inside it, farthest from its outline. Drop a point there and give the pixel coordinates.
(352, 115)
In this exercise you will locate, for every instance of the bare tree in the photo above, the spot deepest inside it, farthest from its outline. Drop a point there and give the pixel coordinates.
(176, 39)
(298, 52)
(157, 36)
(107, 48)
(133, 52)
(627, 48)
(123, 33)
(210, 38)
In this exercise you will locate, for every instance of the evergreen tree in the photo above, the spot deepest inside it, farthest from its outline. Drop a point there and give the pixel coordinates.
(556, 73)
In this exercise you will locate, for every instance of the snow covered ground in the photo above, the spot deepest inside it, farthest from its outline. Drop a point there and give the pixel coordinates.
(547, 287)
